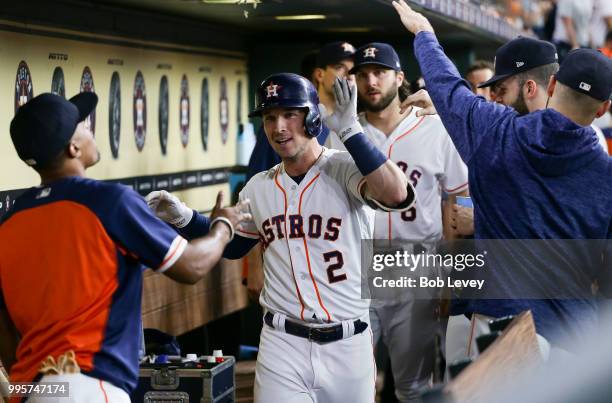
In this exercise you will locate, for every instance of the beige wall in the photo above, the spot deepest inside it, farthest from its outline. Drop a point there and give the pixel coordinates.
(95, 51)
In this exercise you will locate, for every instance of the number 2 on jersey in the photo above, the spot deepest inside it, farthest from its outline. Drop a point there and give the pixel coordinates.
(336, 256)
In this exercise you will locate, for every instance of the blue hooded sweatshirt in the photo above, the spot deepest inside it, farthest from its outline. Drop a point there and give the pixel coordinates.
(538, 176)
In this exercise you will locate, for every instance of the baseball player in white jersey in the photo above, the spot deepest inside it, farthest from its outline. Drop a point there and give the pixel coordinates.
(421, 147)
(310, 212)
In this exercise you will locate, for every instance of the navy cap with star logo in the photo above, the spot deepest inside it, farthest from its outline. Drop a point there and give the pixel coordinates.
(519, 55)
(378, 53)
(587, 71)
(334, 52)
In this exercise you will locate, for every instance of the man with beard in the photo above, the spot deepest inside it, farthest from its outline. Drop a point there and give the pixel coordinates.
(420, 146)
(523, 67)
(539, 176)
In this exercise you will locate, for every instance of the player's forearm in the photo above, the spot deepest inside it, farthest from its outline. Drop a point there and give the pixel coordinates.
(200, 256)
(9, 339)
(210, 249)
(387, 184)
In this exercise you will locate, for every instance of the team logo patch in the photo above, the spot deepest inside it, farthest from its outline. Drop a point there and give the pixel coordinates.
(223, 110)
(584, 86)
(24, 89)
(204, 114)
(58, 86)
(163, 114)
(87, 85)
(272, 90)
(348, 48)
(140, 111)
(114, 114)
(370, 52)
(184, 111)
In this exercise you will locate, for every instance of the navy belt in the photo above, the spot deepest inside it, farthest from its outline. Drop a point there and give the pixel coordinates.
(325, 334)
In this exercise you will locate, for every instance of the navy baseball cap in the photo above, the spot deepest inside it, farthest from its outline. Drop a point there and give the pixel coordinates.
(587, 71)
(44, 126)
(378, 53)
(334, 52)
(519, 55)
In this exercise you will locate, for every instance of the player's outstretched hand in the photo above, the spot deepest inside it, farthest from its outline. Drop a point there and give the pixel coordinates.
(235, 215)
(421, 99)
(344, 121)
(413, 21)
(169, 208)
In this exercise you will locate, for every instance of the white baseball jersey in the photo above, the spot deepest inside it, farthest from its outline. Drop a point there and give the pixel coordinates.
(311, 236)
(421, 147)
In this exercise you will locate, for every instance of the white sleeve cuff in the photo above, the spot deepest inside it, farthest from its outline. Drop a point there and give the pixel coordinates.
(174, 253)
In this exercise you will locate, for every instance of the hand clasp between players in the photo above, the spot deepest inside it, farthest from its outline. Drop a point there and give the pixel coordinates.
(170, 209)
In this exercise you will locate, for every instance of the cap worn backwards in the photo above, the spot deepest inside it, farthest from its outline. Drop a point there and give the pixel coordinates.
(587, 71)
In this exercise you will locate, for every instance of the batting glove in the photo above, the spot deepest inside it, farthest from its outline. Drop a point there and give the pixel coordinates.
(344, 121)
(169, 208)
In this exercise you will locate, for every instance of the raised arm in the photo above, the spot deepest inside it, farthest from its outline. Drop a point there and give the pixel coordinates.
(386, 185)
(465, 115)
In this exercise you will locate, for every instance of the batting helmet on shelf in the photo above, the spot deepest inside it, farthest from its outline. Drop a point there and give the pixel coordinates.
(287, 90)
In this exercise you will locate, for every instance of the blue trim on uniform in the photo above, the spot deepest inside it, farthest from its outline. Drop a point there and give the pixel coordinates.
(198, 226)
(366, 155)
(239, 247)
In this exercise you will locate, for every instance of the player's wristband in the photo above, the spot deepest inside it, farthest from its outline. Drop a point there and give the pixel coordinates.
(226, 222)
(348, 132)
(367, 157)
